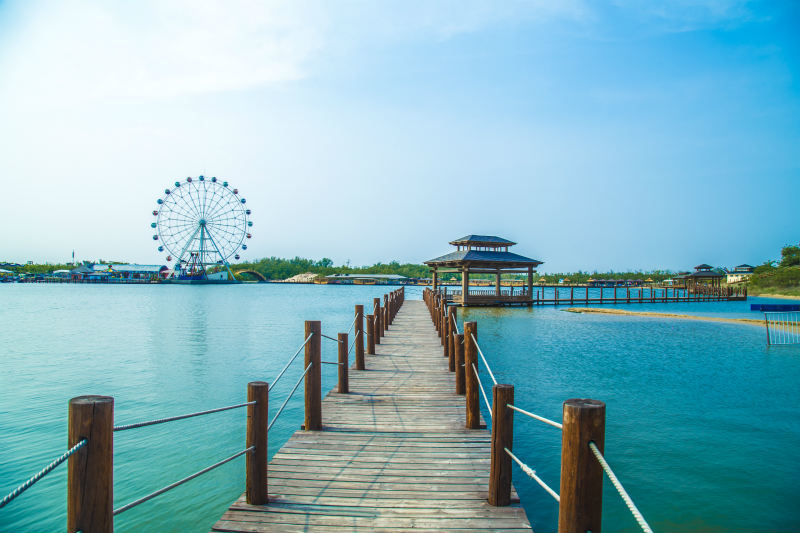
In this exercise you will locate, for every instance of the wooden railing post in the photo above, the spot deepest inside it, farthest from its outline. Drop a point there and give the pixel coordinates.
(313, 384)
(256, 462)
(502, 437)
(470, 359)
(359, 333)
(90, 471)
(448, 331)
(581, 491)
(385, 321)
(451, 345)
(377, 320)
(370, 334)
(458, 341)
(344, 386)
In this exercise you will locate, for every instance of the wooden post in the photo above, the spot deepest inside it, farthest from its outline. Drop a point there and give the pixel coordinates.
(587, 294)
(359, 333)
(377, 320)
(581, 491)
(385, 317)
(344, 344)
(471, 380)
(530, 285)
(370, 335)
(458, 341)
(443, 327)
(90, 471)
(448, 332)
(497, 284)
(313, 384)
(571, 295)
(256, 462)
(502, 437)
(450, 348)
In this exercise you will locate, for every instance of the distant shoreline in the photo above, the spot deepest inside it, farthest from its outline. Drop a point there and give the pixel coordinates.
(747, 321)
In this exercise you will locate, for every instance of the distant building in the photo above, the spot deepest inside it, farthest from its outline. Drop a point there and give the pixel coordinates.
(366, 279)
(703, 275)
(128, 273)
(740, 273)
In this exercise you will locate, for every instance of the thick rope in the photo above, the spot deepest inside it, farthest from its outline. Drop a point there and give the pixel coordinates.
(455, 323)
(330, 363)
(480, 386)
(290, 361)
(289, 396)
(352, 344)
(532, 473)
(537, 417)
(41, 473)
(622, 492)
(331, 338)
(483, 358)
(179, 417)
(352, 324)
(180, 482)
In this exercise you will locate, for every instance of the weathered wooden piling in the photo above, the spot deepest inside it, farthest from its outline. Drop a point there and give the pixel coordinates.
(502, 438)
(343, 385)
(359, 333)
(471, 380)
(370, 334)
(313, 380)
(581, 491)
(90, 472)
(256, 461)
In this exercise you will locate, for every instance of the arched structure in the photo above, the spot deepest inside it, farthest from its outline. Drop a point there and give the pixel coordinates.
(253, 273)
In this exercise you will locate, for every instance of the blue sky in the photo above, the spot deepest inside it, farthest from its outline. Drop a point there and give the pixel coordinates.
(597, 135)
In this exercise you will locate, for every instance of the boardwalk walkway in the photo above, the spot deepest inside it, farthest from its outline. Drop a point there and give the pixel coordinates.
(393, 454)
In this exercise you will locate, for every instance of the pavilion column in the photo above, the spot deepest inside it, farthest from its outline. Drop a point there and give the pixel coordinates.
(464, 285)
(530, 283)
(435, 279)
(497, 283)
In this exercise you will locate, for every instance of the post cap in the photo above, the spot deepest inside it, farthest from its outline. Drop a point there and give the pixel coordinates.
(91, 398)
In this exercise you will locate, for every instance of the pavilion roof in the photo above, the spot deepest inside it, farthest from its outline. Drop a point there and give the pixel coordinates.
(703, 274)
(703, 267)
(482, 240)
(483, 258)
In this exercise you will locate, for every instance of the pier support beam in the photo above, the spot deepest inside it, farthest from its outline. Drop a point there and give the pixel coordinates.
(471, 380)
(313, 380)
(256, 461)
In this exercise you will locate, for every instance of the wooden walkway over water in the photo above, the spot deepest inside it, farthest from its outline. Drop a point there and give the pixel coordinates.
(393, 454)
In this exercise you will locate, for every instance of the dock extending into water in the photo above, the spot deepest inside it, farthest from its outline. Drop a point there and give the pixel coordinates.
(393, 453)
(400, 443)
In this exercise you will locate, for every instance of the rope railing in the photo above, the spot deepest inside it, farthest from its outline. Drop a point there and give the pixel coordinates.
(41, 473)
(483, 392)
(352, 324)
(455, 324)
(352, 344)
(179, 417)
(180, 482)
(330, 338)
(485, 363)
(288, 397)
(622, 492)
(290, 361)
(330, 362)
(536, 417)
(532, 474)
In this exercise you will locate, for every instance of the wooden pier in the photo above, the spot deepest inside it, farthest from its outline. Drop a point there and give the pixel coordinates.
(393, 453)
(583, 295)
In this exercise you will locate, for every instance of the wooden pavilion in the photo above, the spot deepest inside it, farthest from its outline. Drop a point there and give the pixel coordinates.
(702, 275)
(485, 254)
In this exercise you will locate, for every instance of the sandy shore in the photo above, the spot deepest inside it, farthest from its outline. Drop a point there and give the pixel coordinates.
(779, 296)
(598, 310)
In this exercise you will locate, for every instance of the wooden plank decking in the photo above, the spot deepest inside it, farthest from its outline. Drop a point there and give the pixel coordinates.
(393, 454)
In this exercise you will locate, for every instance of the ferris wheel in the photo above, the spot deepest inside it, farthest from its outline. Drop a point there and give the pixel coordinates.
(202, 223)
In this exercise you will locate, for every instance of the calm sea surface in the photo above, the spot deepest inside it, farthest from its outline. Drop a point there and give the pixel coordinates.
(703, 420)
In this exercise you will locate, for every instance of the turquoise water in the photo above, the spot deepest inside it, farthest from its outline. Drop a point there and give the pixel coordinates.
(703, 421)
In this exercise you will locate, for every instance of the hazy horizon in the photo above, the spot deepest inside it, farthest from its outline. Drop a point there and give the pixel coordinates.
(619, 135)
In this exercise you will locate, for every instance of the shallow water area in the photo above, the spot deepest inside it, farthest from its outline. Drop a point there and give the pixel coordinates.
(702, 418)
